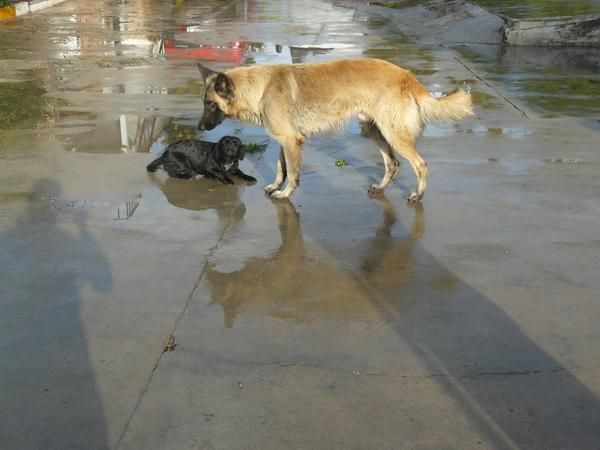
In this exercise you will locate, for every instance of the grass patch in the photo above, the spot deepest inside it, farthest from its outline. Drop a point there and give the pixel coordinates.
(396, 5)
(255, 148)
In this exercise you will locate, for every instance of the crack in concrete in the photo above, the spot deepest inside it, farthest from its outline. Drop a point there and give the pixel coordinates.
(358, 372)
(180, 316)
(484, 81)
(526, 372)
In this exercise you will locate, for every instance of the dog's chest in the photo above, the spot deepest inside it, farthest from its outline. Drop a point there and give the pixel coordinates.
(228, 166)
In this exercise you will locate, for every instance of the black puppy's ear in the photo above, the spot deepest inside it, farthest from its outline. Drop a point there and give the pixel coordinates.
(224, 86)
(241, 148)
(205, 72)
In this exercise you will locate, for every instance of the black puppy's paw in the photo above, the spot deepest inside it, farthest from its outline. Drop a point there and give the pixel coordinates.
(227, 181)
(251, 180)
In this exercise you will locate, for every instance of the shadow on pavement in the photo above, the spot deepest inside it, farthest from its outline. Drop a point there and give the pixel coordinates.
(504, 385)
(48, 394)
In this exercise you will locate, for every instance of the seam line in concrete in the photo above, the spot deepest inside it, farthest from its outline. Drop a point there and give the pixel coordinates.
(486, 82)
(180, 316)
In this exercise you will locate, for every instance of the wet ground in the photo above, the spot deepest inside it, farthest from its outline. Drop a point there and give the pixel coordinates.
(336, 320)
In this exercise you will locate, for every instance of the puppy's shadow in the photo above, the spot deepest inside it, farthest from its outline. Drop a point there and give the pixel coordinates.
(202, 194)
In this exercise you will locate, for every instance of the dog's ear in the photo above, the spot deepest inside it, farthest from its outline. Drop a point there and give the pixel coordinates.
(241, 148)
(224, 86)
(205, 72)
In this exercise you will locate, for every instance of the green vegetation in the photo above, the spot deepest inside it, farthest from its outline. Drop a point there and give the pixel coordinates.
(521, 9)
(483, 100)
(255, 148)
(340, 162)
(399, 50)
(4, 3)
(397, 5)
(135, 61)
(176, 132)
(192, 87)
(23, 105)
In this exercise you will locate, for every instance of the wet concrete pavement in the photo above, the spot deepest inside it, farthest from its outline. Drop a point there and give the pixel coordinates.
(336, 320)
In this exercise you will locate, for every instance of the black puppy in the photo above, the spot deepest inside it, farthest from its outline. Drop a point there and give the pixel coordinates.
(189, 157)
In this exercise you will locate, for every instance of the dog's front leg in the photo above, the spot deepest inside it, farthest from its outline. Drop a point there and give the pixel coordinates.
(292, 147)
(221, 176)
(281, 173)
(238, 173)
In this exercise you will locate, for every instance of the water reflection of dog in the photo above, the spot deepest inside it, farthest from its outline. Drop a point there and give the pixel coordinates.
(203, 194)
(306, 287)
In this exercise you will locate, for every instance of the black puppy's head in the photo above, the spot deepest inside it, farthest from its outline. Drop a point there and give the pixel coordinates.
(218, 98)
(231, 149)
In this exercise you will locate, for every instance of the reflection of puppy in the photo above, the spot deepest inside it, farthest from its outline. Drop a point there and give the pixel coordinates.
(201, 195)
(184, 159)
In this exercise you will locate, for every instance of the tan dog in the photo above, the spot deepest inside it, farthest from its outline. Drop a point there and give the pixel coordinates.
(293, 101)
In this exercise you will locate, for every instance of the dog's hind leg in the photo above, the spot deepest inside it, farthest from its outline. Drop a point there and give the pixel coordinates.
(281, 173)
(404, 144)
(391, 163)
(292, 148)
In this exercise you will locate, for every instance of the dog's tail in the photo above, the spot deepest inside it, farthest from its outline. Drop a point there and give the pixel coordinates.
(154, 165)
(453, 106)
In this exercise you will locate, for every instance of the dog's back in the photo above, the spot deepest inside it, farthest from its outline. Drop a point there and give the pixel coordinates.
(180, 152)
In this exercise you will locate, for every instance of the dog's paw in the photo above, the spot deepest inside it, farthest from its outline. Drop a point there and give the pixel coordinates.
(270, 188)
(279, 195)
(375, 189)
(251, 180)
(414, 197)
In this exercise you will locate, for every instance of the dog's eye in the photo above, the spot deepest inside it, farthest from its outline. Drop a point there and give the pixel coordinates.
(211, 105)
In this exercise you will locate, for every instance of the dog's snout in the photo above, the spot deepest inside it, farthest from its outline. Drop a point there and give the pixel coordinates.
(201, 126)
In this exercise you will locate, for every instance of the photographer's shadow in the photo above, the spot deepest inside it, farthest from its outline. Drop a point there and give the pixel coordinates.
(52, 265)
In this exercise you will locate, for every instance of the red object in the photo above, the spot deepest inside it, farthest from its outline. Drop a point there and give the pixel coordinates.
(233, 52)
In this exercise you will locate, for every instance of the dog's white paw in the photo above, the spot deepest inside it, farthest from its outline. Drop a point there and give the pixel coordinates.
(375, 189)
(279, 195)
(270, 188)
(414, 197)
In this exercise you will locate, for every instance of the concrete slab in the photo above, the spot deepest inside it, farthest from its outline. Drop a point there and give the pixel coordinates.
(337, 320)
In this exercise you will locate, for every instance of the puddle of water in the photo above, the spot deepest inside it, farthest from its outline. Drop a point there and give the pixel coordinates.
(563, 160)
(551, 81)
(514, 132)
(121, 211)
(125, 210)
(419, 60)
(132, 134)
(528, 9)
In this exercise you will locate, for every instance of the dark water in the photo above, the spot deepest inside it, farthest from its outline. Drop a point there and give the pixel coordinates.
(521, 9)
